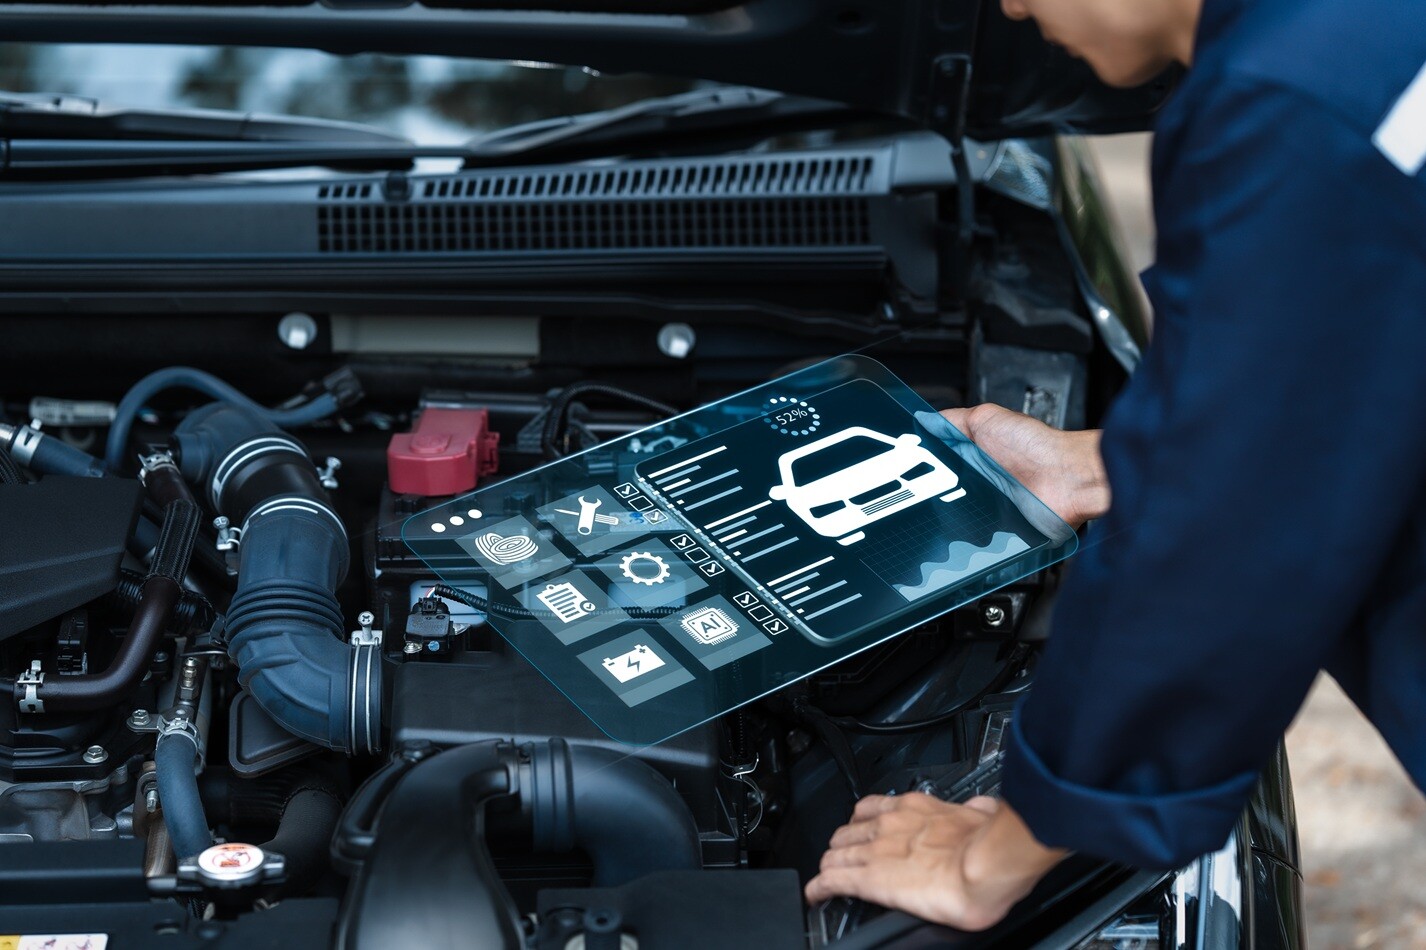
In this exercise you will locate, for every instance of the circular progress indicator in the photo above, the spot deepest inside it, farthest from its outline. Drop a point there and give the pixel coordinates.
(792, 416)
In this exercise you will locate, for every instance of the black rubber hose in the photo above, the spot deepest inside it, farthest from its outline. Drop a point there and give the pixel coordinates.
(158, 599)
(591, 798)
(304, 836)
(285, 629)
(429, 880)
(96, 691)
(356, 832)
(10, 473)
(192, 613)
(175, 764)
(48, 454)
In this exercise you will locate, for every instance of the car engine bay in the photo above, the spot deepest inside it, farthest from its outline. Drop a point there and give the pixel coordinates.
(234, 707)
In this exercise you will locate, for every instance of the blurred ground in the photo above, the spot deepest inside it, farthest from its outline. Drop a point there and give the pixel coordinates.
(1361, 821)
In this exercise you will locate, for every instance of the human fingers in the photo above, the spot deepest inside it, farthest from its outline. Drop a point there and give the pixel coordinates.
(848, 856)
(837, 882)
(873, 806)
(984, 804)
(902, 821)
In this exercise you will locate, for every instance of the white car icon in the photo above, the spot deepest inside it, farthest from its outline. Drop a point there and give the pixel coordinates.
(840, 484)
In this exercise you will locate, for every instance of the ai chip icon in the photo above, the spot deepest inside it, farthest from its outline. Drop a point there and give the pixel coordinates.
(709, 625)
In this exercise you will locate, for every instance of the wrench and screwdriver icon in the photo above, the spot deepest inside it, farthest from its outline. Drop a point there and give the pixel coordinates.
(587, 516)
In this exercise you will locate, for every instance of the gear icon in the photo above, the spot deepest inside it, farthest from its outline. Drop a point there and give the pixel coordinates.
(644, 567)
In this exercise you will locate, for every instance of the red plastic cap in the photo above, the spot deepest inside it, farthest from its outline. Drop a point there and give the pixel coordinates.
(449, 450)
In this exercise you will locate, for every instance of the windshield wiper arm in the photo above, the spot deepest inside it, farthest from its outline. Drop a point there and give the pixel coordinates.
(691, 118)
(59, 159)
(58, 116)
(721, 117)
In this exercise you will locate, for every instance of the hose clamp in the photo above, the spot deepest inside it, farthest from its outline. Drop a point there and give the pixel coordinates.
(292, 503)
(154, 461)
(23, 445)
(29, 683)
(185, 727)
(365, 699)
(242, 454)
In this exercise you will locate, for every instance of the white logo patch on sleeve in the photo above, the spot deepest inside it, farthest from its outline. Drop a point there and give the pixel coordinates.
(1401, 137)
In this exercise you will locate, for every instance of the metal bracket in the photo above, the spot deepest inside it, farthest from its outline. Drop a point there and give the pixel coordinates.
(229, 537)
(366, 636)
(30, 682)
(327, 473)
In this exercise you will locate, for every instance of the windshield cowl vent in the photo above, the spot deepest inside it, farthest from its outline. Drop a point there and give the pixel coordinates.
(740, 203)
(840, 175)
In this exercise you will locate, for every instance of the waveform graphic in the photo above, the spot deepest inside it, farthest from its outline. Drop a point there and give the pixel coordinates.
(961, 561)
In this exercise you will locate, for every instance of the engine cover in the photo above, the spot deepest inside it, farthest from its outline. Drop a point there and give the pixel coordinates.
(63, 541)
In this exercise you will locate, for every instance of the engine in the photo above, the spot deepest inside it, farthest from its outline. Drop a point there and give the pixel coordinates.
(227, 676)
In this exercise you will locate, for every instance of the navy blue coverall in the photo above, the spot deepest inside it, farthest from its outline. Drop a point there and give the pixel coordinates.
(1268, 458)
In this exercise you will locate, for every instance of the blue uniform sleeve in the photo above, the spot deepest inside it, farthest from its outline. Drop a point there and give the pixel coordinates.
(1262, 461)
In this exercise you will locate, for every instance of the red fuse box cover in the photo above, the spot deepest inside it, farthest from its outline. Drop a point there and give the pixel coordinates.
(447, 452)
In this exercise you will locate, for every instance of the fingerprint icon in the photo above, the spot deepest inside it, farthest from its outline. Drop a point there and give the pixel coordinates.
(506, 550)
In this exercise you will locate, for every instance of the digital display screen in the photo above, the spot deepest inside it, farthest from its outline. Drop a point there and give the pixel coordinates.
(670, 576)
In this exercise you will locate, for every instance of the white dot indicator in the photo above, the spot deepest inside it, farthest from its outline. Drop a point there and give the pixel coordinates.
(457, 520)
(474, 513)
(438, 527)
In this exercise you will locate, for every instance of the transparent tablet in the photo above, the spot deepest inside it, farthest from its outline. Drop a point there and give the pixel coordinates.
(667, 577)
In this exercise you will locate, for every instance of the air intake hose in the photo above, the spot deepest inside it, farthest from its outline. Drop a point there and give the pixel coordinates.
(425, 876)
(587, 797)
(284, 625)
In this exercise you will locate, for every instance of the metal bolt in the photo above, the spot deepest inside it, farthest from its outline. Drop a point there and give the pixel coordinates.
(151, 800)
(677, 340)
(413, 647)
(366, 618)
(139, 717)
(297, 330)
(95, 754)
(994, 615)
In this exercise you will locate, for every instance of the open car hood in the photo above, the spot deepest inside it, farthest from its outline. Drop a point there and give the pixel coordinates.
(951, 65)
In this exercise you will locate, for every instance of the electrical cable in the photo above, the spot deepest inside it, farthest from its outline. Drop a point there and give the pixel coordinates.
(557, 417)
(186, 377)
(484, 605)
(1008, 672)
(836, 741)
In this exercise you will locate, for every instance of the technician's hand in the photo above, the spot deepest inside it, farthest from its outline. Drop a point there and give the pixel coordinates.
(1063, 469)
(960, 865)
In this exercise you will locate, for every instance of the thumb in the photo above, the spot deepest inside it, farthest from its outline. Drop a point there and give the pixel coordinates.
(984, 804)
(960, 418)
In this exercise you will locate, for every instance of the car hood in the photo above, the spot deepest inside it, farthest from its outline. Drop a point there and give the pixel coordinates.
(950, 65)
